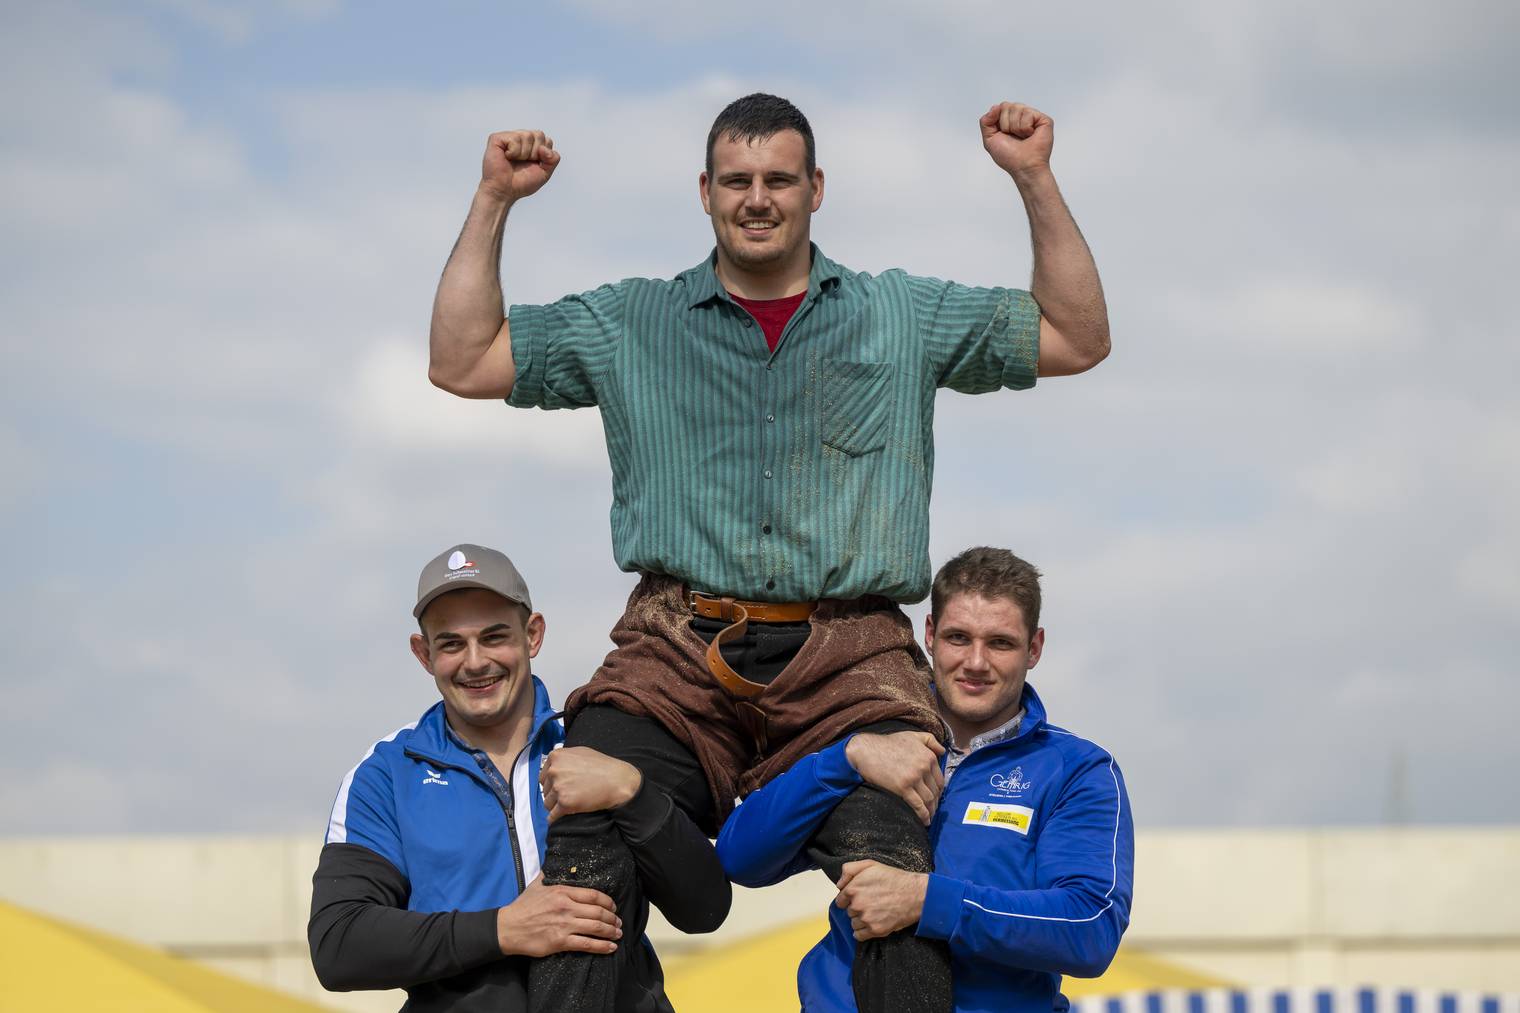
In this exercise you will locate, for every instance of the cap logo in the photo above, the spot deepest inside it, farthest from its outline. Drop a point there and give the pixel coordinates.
(458, 560)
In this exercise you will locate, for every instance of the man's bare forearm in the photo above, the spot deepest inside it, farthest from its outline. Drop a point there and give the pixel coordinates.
(1065, 282)
(470, 347)
(469, 317)
(1073, 316)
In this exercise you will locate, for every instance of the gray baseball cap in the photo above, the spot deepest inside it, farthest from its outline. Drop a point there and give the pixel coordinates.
(470, 566)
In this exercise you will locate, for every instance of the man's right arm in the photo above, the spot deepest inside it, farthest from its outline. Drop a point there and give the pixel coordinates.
(470, 343)
(363, 937)
(763, 840)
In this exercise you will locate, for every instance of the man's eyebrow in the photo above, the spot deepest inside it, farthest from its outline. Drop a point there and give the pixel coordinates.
(493, 628)
(945, 631)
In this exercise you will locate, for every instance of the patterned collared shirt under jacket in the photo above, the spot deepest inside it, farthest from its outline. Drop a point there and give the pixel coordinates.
(786, 476)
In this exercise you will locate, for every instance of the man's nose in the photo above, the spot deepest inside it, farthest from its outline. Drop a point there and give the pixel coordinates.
(976, 658)
(475, 659)
(757, 197)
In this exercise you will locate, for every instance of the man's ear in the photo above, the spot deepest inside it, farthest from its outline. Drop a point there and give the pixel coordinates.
(702, 182)
(1036, 646)
(817, 188)
(535, 631)
(421, 653)
(929, 633)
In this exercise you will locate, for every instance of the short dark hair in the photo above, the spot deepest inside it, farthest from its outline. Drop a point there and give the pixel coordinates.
(991, 573)
(756, 117)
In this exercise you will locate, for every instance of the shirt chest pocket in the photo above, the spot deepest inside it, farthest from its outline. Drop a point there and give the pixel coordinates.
(855, 405)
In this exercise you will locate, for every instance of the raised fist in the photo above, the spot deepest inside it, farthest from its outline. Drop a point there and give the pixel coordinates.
(517, 163)
(1018, 137)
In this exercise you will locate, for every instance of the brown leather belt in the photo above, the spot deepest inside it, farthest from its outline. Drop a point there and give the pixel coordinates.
(737, 613)
(722, 607)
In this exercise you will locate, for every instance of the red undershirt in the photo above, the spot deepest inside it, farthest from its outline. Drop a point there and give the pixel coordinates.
(772, 314)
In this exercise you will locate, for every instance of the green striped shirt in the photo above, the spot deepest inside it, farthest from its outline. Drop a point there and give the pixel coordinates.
(786, 476)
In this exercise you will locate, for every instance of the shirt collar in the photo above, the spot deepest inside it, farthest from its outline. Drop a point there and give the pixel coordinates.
(702, 283)
(1007, 730)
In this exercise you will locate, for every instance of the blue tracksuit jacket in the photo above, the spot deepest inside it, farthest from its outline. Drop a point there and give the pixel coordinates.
(422, 801)
(1033, 854)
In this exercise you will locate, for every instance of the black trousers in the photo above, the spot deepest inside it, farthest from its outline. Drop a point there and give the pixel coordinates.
(900, 972)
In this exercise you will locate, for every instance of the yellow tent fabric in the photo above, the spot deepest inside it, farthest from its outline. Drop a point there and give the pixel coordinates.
(46, 964)
(760, 973)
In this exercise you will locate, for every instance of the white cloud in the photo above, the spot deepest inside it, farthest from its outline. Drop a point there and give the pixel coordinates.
(1306, 320)
(239, 20)
(1488, 572)
(92, 790)
(21, 466)
(392, 408)
(1307, 411)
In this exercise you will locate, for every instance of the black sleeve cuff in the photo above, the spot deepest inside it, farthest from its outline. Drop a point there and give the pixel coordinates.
(642, 816)
(475, 937)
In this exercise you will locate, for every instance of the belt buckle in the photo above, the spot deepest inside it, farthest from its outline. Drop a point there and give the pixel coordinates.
(724, 604)
(725, 612)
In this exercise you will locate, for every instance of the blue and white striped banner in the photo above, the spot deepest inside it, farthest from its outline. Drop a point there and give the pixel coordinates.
(1301, 1000)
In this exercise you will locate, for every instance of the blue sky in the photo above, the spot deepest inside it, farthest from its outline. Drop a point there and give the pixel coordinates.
(1277, 525)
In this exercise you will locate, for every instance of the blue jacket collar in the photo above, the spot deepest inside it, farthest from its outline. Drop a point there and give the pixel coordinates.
(702, 282)
(1034, 715)
(1034, 712)
(433, 737)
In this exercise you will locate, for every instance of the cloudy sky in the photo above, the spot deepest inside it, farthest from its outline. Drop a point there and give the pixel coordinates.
(1278, 524)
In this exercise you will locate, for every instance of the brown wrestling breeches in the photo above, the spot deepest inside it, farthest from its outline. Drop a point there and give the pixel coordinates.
(860, 665)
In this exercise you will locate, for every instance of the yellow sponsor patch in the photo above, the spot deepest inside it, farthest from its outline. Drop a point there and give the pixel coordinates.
(998, 814)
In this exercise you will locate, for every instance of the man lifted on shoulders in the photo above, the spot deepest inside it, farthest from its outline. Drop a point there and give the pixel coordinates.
(769, 421)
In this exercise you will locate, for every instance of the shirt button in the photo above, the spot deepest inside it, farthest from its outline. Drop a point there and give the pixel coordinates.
(770, 585)
(748, 322)
(765, 529)
(770, 418)
(767, 473)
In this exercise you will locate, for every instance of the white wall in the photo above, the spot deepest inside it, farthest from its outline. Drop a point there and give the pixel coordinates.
(1401, 907)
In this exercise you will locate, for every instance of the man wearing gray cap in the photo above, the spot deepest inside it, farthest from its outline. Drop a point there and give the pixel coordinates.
(429, 874)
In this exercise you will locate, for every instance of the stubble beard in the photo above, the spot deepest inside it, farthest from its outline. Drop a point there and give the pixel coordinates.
(741, 255)
(772, 256)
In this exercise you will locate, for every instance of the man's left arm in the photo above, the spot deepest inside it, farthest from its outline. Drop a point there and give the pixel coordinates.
(1073, 315)
(1084, 859)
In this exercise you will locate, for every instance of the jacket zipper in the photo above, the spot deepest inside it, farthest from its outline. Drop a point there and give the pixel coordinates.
(506, 807)
(511, 820)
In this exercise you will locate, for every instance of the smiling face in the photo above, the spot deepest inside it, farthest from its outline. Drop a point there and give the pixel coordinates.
(760, 196)
(981, 649)
(478, 646)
